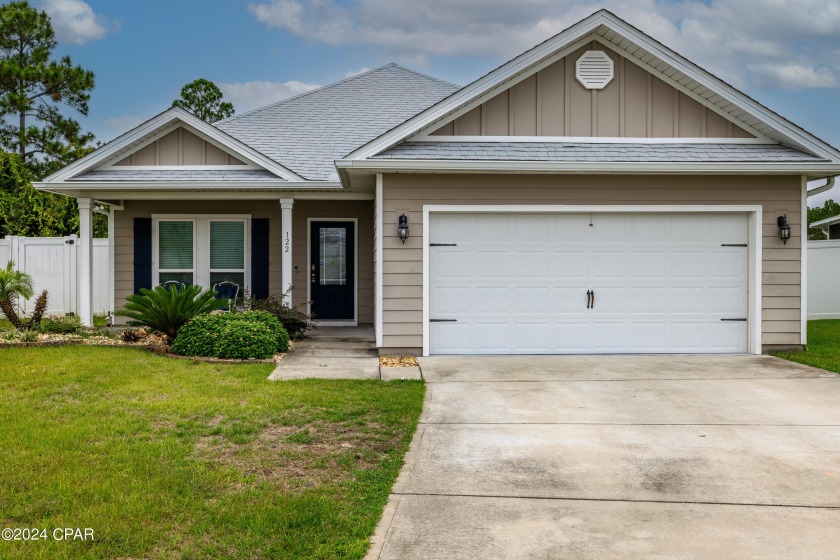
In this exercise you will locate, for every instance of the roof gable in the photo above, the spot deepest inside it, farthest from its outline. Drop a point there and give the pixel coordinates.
(619, 37)
(201, 136)
(553, 102)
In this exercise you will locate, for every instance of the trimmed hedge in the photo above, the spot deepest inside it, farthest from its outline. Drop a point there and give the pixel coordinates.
(224, 336)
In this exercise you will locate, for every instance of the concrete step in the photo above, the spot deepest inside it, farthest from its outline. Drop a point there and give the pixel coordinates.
(326, 368)
(335, 352)
(315, 343)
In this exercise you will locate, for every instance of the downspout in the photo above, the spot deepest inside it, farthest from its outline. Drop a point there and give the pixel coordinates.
(829, 183)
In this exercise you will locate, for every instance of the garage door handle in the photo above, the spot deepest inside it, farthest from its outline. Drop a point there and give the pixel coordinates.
(593, 299)
(589, 299)
(738, 319)
(443, 320)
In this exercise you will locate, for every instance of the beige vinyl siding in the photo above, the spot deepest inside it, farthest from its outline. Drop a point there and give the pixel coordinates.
(180, 147)
(403, 278)
(359, 209)
(363, 210)
(635, 104)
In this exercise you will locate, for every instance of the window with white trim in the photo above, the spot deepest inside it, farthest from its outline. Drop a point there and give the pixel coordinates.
(203, 250)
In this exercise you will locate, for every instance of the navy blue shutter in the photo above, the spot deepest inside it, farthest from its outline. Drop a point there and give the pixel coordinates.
(259, 258)
(142, 253)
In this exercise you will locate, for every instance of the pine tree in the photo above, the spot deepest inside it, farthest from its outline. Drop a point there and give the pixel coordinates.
(203, 99)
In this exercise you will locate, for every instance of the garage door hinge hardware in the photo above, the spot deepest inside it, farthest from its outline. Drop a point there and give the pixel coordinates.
(443, 244)
(739, 319)
(733, 244)
(443, 320)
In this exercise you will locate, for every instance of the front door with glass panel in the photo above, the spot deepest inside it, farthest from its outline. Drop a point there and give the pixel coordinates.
(331, 270)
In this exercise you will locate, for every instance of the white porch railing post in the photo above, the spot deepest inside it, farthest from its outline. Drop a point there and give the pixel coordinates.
(85, 261)
(286, 205)
(70, 274)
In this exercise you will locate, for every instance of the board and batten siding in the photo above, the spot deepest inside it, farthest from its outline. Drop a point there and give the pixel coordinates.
(303, 209)
(552, 102)
(180, 147)
(406, 193)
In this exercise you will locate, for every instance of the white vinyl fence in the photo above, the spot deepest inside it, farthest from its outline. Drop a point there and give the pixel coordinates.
(52, 263)
(824, 279)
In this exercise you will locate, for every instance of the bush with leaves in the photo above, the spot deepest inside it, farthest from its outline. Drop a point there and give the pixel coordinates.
(201, 336)
(241, 340)
(167, 310)
(295, 321)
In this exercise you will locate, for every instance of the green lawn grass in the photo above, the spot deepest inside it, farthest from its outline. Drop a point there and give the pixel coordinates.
(167, 458)
(823, 346)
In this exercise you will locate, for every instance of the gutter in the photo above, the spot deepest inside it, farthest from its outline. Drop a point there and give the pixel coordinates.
(829, 184)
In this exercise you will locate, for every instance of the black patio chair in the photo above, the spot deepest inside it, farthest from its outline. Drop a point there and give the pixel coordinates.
(228, 291)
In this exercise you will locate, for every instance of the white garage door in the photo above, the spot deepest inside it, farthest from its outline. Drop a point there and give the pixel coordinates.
(588, 283)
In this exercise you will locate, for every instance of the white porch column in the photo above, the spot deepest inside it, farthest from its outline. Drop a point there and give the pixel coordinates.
(85, 261)
(286, 205)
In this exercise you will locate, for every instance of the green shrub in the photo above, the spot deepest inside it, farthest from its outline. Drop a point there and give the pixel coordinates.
(57, 324)
(166, 311)
(295, 322)
(245, 339)
(201, 336)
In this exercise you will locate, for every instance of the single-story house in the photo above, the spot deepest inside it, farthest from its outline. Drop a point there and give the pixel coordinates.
(830, 226)
(598, 193)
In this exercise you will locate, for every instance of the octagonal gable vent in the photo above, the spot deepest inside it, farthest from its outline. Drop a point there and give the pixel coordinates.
(594, 69)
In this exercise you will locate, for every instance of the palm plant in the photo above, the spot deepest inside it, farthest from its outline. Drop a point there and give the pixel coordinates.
(167, 310)
(14, 284)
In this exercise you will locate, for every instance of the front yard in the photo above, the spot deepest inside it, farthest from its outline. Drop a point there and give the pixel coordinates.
(167, 458)
(823, 346)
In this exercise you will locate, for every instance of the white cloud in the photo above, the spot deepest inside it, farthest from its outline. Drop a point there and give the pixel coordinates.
(767, 43)
(352, 73)
(250, 95)
(76, 22)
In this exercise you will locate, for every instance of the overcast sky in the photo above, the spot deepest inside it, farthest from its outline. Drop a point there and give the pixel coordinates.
(784, 53)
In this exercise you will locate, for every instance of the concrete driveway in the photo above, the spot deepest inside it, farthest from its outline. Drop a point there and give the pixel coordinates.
(620, 457)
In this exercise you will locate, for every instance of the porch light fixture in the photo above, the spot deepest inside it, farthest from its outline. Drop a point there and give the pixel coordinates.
(402, 228)
(784, 228)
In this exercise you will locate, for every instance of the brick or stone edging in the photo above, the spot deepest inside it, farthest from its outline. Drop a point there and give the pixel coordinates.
(164, 351)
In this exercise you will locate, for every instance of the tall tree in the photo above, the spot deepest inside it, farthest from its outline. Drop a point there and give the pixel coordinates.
(827, 210)
(203, 99)
(34, 89)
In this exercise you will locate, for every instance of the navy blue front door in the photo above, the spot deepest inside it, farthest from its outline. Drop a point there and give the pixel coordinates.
(331, 270)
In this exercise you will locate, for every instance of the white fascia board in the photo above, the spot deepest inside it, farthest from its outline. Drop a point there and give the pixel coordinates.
(501, 166)
(590, 140)
(826, 222)
(185, 185)
(169, 120)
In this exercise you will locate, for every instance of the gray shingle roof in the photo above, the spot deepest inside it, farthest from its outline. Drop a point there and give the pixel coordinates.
(570, 152)
(308, 132)
(208, 175)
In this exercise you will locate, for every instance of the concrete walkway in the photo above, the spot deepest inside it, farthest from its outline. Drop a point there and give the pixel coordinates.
(338, 353)
(620, 457)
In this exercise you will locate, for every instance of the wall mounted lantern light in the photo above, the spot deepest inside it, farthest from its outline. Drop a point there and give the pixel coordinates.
(784, 228)
(402, 228)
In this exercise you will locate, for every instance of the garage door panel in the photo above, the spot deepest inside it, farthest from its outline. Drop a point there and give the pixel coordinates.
(688, 299)
(607, 264)
(569, 265)
(517, 283)
(490, 300)
(531, 265)
(647, 265)
(531, 300)
(687, 265)
(489, 264)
